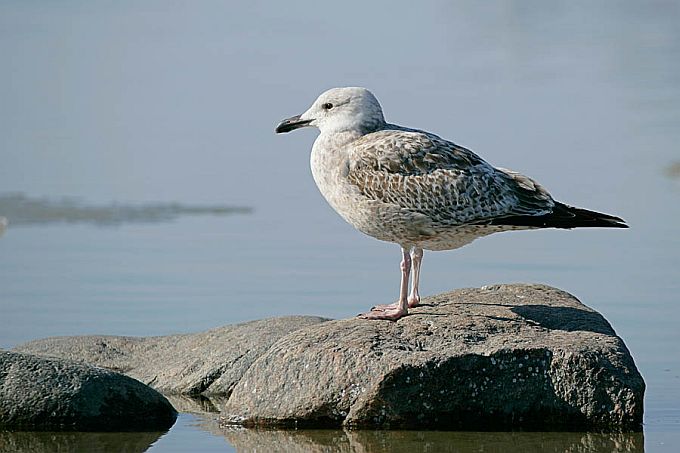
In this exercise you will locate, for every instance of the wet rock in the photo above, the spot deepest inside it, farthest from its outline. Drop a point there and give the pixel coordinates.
(205, 363)
(54, 394)
(508, 356)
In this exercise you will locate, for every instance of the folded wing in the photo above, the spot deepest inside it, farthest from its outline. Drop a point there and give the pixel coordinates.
(449, 184)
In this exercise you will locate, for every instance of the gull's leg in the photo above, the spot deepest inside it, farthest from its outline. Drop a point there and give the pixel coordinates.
(400, 309)
(417, 259)
(414, 297)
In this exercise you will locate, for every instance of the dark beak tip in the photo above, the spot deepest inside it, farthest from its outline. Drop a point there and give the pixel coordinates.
(290, 124)
(282, 128)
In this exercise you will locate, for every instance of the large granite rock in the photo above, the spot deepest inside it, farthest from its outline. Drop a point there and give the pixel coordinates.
(54, 394)
(499, 357)
(207, 363)
(505, 356)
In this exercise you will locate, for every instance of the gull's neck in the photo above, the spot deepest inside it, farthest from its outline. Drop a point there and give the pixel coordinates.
(339, 138)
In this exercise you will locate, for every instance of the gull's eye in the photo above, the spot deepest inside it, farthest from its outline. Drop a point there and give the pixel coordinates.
(327, 106)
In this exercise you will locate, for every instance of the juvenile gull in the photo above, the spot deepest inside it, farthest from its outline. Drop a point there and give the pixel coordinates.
(418, 190)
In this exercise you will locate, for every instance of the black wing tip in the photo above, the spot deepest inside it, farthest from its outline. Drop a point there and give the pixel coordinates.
(564, 217)
(586, 218)
(618, 224)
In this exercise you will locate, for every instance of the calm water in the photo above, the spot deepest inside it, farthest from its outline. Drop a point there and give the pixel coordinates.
(166, 102)
(197, 435)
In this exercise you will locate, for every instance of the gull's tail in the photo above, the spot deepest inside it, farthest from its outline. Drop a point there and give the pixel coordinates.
(564, 216)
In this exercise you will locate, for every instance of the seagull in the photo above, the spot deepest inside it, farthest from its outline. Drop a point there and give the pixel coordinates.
(418, 190)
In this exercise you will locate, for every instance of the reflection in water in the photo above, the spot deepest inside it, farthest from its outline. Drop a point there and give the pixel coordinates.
(317, 441)
(246, 440)
(18, 209)
(38, 442)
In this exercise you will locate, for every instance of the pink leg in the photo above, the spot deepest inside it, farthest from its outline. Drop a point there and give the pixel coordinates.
(414, 297)
(417, 258)
(400, 309)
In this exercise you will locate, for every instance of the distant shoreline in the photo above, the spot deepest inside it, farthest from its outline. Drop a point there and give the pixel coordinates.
(19, 209)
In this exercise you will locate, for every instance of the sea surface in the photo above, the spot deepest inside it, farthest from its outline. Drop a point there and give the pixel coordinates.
(160, 201)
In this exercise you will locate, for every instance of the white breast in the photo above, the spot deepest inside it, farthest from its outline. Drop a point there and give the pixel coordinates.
(383, 221)
(329, 168)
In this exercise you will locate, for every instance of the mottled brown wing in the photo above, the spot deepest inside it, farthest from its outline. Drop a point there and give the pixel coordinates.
(448, 183)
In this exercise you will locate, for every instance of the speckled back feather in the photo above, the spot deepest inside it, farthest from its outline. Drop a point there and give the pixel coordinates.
(449, 184)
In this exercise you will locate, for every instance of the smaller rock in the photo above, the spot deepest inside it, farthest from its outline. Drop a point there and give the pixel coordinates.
(53, 394)
(205, 363)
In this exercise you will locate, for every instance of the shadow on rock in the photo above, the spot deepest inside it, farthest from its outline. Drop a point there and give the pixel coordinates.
(196, 404)
(568, 319)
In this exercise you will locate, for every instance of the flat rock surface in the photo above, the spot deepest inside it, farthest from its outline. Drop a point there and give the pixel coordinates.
(498, 357)
(54, 394)
(208, 363)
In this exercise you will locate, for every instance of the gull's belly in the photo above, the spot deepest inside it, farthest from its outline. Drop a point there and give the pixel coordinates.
(371, 217)
(378, 219)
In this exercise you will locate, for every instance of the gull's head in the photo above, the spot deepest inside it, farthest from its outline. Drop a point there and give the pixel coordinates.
(339, 110)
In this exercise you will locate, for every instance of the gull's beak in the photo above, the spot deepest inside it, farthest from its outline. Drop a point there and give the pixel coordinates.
(292, 123)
